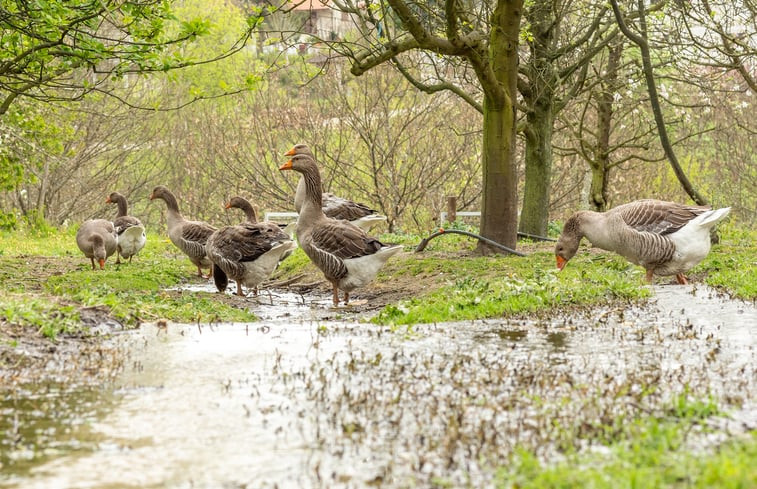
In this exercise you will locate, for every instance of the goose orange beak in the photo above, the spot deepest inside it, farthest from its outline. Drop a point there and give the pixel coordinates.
(227, 205)
(286, 166)
(107, 201)
(290, 152)
(561, 262)
(102, 263)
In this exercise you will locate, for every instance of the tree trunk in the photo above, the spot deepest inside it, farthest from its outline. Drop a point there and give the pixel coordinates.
(539, 99)
(534, 216)
(600, 166)
(499, 209)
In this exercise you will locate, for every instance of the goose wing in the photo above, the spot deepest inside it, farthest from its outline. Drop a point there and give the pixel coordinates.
(341, 208)
(194, 235)
(344, 240)
(124, 222)
(657, 216)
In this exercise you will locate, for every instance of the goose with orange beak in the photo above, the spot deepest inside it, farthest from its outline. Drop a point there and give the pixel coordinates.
(333, 206)
(346, 255)
(666, 238)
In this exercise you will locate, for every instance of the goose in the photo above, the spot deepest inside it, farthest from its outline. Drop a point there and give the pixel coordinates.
(97, 239)
(131, 232)
(189, 236)
(247, 253)
(336, 207)
(346, 255)
(666, 238)
(238, 202)
(243, 204)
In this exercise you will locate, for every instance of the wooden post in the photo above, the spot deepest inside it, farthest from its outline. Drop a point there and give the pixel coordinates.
(451, 209)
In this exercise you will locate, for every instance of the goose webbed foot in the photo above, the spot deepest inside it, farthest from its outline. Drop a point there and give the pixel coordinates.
(681, 278)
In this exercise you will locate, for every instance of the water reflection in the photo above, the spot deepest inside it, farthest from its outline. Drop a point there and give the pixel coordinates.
(514, 335)
(297, 401)
(43, 421)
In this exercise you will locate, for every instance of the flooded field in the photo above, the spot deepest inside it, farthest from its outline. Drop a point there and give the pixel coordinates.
(303, 399)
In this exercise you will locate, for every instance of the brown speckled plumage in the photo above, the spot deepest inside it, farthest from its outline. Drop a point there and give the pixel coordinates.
(666, 238)
(346, 255)
(189, 236)
(247, 253)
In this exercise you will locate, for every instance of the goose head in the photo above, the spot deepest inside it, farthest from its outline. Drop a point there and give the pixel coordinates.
(567, 245)
(299, 149)
(301, 163)
(114, 198)
(160, 192)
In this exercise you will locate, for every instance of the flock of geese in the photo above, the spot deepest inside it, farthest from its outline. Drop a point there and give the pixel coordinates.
(331, 231)
(666, 238)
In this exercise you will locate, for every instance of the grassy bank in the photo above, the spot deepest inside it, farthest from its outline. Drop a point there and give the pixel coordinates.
(47, 281)
(457, 288)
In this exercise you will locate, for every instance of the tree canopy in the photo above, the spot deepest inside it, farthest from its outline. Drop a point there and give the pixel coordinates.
(57, 50)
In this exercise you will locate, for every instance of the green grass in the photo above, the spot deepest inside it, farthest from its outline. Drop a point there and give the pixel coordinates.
(651, 452)
(489, 287)
(47, 318)
(133, 292)
(732, 264)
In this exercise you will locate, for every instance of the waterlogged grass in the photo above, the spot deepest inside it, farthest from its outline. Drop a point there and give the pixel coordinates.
(132, 292)
(652, 452)
(488, 287)
(732, 264)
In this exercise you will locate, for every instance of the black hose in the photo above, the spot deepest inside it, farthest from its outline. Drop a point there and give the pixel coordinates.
(424, 242)
(535, 236)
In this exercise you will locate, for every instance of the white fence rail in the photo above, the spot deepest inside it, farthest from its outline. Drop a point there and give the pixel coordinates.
(443, 215)
(291, 216)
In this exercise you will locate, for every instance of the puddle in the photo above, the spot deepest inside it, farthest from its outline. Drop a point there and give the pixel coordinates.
(298, 401)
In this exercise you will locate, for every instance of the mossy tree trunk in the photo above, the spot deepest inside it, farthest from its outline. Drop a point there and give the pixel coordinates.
(534, 215)
(488, 47)
(499, 212)
(539, 98)
(600, 164)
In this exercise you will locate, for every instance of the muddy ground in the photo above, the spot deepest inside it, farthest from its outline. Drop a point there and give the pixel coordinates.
(28, 356)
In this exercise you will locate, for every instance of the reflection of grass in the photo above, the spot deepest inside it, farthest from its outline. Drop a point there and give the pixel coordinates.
(132, 292)
(650, 453)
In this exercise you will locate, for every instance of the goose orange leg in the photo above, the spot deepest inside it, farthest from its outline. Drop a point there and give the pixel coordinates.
(346, 298)
(239, 289)
(650, 274)
(336, 294)
(682, 279)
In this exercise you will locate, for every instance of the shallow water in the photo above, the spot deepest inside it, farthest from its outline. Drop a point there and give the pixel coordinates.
(300, 401)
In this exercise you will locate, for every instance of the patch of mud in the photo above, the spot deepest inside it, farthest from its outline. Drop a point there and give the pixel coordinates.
(301, 401)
